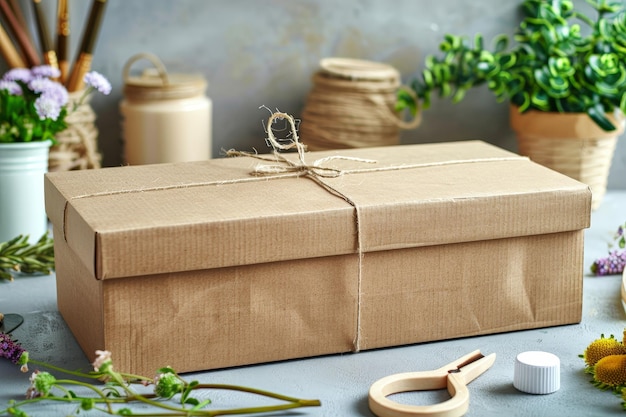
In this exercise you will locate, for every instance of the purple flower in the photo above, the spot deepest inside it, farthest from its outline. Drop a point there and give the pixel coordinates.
(50, 88)
(47, 107)
(13, 351)
(97, 81)
(611, 265)
(11, 86)
(40, 85)
(18, 74)
(45, 71)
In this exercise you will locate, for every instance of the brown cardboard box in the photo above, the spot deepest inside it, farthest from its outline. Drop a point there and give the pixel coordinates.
(201, 265)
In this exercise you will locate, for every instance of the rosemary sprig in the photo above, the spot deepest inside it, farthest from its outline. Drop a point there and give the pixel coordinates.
(18, 255)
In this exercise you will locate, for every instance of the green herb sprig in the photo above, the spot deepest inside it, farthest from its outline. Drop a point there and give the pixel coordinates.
(171, 395)
(18, 255)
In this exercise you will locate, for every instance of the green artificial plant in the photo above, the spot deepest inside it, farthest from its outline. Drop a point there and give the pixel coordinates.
(555, 65)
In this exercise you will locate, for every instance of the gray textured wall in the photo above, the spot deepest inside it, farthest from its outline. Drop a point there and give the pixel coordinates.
(263, 52)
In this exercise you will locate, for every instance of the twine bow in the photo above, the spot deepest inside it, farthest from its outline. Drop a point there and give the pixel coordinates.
(300, 167)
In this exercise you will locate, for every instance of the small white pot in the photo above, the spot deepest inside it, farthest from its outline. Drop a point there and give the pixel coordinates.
(22, 204)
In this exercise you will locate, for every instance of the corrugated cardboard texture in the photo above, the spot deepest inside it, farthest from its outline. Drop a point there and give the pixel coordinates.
(210, 273)
(211, 318)
(143, 220)
(292, 309)
(467, 289)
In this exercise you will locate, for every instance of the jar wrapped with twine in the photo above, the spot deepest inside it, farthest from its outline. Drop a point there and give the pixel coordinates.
(76, 146)
(352, 105)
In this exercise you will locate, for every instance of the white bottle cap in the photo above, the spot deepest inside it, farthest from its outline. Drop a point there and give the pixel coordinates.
(537, 372)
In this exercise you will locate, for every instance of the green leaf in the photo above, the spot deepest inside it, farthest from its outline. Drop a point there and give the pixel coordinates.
(598, 115)
(446, 89)
(428, 78)
(540, 100)
(191, 401)
(426, 102)
(201, 405)
(165, 370)
(405, 101)
(188, 388)
(501, 42)
(478, 42)
(87, 403)
(459, 95)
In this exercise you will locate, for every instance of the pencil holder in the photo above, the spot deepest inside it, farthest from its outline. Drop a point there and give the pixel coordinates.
(77, 146)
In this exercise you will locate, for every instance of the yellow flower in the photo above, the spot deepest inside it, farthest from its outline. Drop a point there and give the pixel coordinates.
(602, 347)
(610, 371)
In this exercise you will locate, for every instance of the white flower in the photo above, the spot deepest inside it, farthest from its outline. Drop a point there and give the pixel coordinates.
(103, 358)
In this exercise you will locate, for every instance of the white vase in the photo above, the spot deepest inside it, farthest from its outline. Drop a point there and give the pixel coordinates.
(22, 204)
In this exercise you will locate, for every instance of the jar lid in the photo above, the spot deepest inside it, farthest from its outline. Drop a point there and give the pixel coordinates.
(358, 69)
(537, 372)
(157, 84)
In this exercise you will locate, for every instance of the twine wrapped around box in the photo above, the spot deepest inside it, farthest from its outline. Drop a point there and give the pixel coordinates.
(76, 146)
(352, 105)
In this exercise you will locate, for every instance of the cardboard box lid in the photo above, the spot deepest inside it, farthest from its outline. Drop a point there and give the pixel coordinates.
(151, 219)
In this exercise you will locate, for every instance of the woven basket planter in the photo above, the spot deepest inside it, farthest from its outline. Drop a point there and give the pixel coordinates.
(77, 146)
(569, 143)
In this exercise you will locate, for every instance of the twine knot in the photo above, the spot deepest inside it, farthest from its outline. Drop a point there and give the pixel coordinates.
(298, 167)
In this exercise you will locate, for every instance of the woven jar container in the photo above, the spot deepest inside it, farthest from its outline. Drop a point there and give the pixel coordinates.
(77, 146)
(352, 105)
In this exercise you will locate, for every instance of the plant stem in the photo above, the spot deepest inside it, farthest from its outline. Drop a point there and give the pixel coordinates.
(90, 375)
(65, 371)
(89, 386)
(125, 394)
(257, 392)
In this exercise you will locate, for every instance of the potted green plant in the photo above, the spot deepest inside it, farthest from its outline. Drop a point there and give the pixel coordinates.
(33, 108)
(564, 77)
